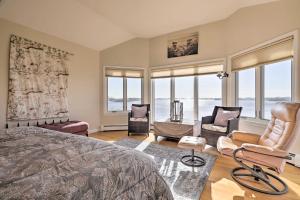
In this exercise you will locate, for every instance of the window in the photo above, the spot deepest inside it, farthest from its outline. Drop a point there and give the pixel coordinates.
(275, 85)
(199, 95)
(209, 94)
(124, 88)
(115, 94)
(246, 92)
(264, 76)
(184, 92)
(276, 90)
(134, 91)
(162, 99)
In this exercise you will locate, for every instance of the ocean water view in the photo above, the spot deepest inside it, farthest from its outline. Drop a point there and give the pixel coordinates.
(205, 107)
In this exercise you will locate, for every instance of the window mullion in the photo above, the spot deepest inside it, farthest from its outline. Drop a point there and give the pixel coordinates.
(153, 100)
(259, 91)
(196, 112)
(124, 94)
(172, 89)
(236, 103)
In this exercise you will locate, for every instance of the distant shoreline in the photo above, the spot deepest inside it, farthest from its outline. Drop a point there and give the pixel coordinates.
(215, 99)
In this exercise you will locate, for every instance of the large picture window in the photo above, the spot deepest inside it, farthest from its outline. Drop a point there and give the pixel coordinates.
(246, 92)
(209, 94)
(134, 91)
(196, 86)
(277, 85)
(162, 98)
(115, 94)
(184, 92)
(264, 76)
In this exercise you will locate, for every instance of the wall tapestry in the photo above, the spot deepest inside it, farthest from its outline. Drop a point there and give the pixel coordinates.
(38, 81)
(183, 45)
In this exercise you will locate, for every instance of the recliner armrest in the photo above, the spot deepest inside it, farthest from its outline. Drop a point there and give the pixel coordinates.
(232, 124)
(207, 120)
(265, 150)
(129, 115)
(245, 137)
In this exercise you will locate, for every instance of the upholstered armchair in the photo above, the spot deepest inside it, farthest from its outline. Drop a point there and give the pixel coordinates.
(269, 150)
(139, 119)
(222, 122)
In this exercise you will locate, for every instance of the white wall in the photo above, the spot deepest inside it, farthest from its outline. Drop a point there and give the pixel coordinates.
(211, 45)
(83, 91)
(133, 53)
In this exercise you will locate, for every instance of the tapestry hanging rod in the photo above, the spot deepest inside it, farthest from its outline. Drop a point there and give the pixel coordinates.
(37, 123)
(39, 45)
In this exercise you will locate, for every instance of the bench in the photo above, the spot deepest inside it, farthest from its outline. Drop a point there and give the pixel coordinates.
(74, 127)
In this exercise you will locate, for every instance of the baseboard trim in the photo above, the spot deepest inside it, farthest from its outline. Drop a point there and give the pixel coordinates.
(295, 160)
(114, 128)
(93, 131)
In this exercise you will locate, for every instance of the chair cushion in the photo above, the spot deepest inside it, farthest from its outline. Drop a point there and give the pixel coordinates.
(139, 112)
(223, 116)
(191, 142)
(133, 119)
(68, 127)
(212, 127)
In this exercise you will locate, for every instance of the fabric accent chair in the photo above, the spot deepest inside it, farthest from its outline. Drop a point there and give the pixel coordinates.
(211, 132)
(139, 119)
(269, 150)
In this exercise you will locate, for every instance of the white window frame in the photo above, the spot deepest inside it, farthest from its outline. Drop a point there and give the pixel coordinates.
(221, 61)
(259, 87)
(105, 86)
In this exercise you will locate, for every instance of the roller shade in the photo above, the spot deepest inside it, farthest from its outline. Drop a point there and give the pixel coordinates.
(278, 50)
(186, 71)
(126, 72)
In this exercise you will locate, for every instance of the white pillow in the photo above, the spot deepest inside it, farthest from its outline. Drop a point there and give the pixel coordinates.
(224, 115)
(139, 112)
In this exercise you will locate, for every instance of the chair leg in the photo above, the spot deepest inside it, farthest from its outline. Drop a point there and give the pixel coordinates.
(259, 175)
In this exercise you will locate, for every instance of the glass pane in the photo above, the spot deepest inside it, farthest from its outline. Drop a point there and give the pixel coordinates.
(277, 90)
(246, 91)
(162, 99)
(209, 94)
(134, 91)
(184, 92)
(115, 94)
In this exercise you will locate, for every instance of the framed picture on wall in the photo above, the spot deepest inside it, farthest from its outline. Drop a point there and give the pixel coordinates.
(183, 45)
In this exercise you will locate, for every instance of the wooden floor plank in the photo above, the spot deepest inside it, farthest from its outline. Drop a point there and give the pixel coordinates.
(220, 185)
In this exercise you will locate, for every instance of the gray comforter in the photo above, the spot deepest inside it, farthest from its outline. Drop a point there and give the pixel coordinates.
(37, 163)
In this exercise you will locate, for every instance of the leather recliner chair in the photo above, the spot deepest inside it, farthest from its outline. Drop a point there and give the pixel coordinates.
(269, 150)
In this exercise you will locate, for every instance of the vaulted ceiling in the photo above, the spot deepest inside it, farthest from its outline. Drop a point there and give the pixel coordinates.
(99, 24)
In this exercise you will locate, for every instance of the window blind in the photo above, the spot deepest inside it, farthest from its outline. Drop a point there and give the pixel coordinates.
(185, 71)
(279, 50)
(124, 72)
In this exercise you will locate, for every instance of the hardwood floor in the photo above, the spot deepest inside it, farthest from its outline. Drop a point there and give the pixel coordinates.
(220, 185)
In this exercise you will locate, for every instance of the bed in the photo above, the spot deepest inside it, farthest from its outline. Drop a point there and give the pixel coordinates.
(37, 163)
